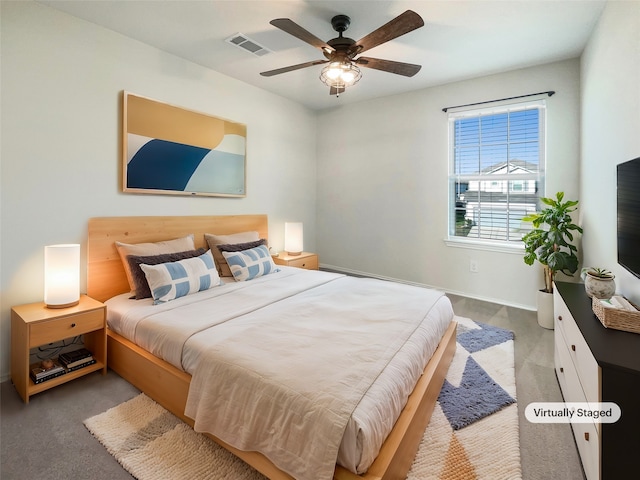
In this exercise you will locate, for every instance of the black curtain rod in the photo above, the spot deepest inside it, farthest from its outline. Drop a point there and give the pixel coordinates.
(550, 92)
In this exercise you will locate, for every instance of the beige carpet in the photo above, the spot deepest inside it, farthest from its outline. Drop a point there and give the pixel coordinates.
(152, 444)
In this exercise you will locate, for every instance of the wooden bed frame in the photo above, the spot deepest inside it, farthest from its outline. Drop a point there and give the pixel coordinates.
(169, 386)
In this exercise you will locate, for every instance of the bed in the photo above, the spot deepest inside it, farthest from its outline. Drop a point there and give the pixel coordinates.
(168, 380)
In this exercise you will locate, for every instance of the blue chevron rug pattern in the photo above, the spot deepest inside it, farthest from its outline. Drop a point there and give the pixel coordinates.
(477, 394)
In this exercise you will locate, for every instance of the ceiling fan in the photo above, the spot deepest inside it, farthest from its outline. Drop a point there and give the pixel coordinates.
(340, 53)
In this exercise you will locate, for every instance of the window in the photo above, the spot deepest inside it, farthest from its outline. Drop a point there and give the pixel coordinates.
(496, 172)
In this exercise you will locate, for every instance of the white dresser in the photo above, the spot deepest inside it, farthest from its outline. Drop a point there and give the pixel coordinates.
(579, 376)
(596, 364)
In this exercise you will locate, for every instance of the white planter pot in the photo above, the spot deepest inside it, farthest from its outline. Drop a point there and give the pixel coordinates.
(545, 309)
(599, 287)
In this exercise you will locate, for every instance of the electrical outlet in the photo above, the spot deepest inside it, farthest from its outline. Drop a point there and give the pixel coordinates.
(473, 266)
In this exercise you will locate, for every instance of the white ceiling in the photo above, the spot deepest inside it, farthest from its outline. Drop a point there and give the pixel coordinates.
(461, 39)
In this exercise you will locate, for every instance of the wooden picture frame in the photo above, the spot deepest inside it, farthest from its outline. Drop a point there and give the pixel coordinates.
(171, 150)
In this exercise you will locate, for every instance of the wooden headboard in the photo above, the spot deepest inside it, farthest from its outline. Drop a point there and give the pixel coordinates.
(105, 274)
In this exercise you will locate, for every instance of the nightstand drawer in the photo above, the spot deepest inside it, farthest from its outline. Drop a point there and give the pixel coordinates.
(305, 260)
(310, 263)
(52, 330)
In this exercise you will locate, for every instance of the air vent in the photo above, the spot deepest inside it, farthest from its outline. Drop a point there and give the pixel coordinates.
(240, 40)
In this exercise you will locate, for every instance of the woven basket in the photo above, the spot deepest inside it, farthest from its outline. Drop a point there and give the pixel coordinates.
(616, 318)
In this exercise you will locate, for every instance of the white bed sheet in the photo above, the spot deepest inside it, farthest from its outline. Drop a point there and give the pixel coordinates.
(374, 416)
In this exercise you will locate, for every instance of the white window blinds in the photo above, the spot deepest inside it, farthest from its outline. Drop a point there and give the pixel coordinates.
(496, 171)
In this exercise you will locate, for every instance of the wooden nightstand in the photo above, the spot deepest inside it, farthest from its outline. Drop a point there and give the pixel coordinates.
(304, 260)
(34, 325)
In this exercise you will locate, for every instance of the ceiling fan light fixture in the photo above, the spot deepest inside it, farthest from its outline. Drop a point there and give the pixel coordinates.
(333, 71)
(348, 77)
(340, 75)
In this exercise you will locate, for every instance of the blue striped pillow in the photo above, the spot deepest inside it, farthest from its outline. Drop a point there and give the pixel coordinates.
(172, 280)
(251, 263)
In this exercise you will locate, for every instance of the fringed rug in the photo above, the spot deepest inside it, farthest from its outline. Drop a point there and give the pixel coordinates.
(473, 433)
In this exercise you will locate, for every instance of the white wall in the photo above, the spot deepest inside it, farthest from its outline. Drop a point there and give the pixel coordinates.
(610, 131)
(61, 84)
(382, 184)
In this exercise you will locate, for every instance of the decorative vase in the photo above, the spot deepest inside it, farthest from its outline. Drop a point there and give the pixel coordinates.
(599, 287)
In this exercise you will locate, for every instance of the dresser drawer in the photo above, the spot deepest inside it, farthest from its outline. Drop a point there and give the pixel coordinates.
(65, 327)
(570, 385)
(588, 443)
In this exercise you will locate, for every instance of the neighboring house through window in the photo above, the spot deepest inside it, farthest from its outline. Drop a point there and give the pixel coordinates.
(496, 172)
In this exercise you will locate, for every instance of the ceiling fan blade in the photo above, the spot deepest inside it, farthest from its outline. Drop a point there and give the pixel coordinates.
(403, 23)
(399, 68)
(291, 68)
(292, 28)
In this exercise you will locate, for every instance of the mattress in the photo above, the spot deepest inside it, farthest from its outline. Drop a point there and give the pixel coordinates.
(180, 332)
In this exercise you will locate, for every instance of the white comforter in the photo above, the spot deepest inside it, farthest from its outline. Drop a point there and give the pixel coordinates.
(291, 359)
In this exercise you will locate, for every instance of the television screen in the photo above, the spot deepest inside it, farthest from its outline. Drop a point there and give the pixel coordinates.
(629, 215)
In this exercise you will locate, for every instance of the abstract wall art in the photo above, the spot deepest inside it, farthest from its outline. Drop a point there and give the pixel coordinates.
(171, 150)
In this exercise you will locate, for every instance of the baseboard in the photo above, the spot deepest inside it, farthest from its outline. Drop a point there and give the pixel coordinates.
(358, 273)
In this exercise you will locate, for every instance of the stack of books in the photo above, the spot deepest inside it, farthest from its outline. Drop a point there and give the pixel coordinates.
(40, 374)
(76, 359)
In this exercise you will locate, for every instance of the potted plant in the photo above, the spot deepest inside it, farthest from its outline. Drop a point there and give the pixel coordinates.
(550, 243)
(598, 282)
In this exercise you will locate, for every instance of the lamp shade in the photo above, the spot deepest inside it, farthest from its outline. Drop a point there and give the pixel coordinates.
(61, 275)
(293, 238)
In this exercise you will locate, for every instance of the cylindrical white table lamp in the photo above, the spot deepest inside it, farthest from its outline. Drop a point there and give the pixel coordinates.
(61, 275)
(293, 238)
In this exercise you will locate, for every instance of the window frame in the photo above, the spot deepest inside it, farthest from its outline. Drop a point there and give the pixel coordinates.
(506, 246)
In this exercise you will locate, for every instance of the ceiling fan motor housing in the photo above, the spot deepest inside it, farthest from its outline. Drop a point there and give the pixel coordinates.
(340, 23)
(341, 45)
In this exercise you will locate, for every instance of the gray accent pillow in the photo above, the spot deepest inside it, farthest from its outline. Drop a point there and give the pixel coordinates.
(239, 247)
(141, 286)
(214, 240)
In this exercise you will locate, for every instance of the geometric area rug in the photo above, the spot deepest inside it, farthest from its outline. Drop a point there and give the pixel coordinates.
(472, 435)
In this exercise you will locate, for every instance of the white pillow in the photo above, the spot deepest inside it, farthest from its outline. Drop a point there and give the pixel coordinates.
(249, 264)
(172, 280)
